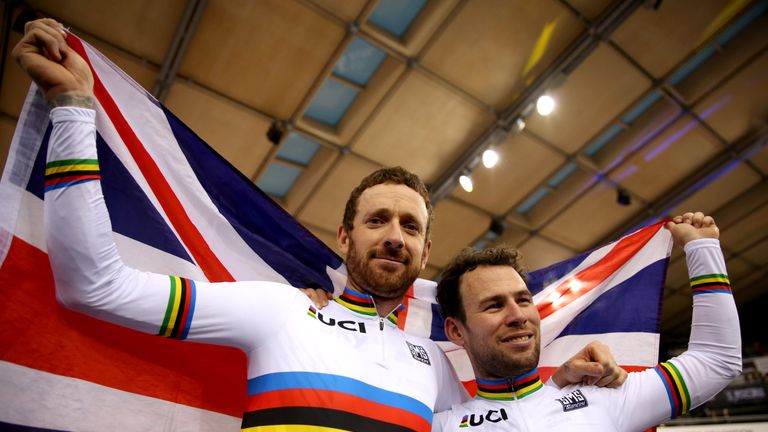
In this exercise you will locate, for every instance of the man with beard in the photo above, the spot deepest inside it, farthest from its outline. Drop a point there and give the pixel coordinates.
(490, 312)
(347, 367)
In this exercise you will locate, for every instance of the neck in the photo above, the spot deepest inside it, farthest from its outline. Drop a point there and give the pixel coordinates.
(383, 305)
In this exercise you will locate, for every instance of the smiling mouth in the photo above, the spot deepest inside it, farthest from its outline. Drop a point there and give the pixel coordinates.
(523, 338)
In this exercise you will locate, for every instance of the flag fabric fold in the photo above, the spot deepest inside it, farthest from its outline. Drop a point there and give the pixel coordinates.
(179, 208)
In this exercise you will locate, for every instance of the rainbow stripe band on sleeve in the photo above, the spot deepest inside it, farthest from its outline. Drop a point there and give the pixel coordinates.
(69, 172)
(677, 391)
(711, 283)
(181, 307)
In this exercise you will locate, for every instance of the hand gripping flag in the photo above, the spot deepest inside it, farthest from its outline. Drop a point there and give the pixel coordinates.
(179, 208)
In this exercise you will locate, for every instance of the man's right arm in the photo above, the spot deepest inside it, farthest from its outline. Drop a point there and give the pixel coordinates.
(89, 273)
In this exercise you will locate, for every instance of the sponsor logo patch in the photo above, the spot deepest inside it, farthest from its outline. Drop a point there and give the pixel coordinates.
(418, 353)
(573, 401)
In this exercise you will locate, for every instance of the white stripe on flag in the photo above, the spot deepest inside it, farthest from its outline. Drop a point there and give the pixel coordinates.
(629, 349)
(40, 399)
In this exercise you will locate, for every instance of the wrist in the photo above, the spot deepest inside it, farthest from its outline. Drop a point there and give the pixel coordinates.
(72, 100)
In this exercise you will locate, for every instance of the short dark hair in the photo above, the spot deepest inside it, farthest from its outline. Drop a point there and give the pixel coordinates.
(394, 175)
(448, 292)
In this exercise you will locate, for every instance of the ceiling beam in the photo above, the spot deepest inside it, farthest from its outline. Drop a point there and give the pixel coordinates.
(574, 55)
(186, 28)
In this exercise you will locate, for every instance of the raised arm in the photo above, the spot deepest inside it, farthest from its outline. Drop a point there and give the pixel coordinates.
(89, 273)
(713, 357)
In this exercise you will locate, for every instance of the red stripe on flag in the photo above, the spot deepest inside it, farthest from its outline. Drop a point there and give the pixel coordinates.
(38, 333)
(337, 401)
(594, 275)
(213, 269)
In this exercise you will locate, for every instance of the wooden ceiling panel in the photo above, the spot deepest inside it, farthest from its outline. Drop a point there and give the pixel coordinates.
(714, 195)
(592, 217)
(512, 236)
(539, 252)
(422, 127)
(325, 207)
(592, 95)
(760, 160)
(142, 27)
(15, 83)
(493, 49)
(757, 254)
(235, 132)
(591, 9)
(726, 61)
(455, 227)
(741, 104)
(638, 134)
(677, 152)
(142, 72)
(523, 163)
(659, 39)
(347, 10)
(267, 54)
(739, 270)
(744, 233)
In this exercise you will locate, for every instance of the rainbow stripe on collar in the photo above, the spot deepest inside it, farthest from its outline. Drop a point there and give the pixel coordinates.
(511, 388)
(363, 304)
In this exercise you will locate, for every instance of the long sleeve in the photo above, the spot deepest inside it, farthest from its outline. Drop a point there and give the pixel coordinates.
(91, 277)
(713, 357)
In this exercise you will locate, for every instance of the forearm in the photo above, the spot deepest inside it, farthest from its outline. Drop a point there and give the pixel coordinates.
(89, 274)
(715, 334)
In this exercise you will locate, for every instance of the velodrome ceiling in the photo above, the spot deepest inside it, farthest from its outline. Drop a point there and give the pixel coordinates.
(664, 100)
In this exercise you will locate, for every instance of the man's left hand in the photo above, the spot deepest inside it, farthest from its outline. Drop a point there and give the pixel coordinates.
(593, 365)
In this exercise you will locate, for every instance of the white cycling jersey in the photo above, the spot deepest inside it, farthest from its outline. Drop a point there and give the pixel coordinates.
(342, 368)
(647, 398)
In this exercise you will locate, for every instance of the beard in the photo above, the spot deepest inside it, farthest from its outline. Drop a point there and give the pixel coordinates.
(495, 362)
(378, 282)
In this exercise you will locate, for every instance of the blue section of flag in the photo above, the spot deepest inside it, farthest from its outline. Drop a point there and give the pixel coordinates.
(437, 331)
(284, 244)
(336, 383)
(36, 183)
(631, 306)
(130, 210)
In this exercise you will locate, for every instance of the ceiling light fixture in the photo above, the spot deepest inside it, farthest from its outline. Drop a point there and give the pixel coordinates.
(466, 182)
(622, 197)
(545, 105)
(520, 124)
(490, 158)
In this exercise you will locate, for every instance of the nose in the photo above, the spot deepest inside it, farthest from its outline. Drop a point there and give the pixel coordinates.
(393, 237)
(514, 315)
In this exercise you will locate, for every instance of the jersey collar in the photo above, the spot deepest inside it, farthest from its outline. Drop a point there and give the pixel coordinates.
(510, 388)
(363, 304)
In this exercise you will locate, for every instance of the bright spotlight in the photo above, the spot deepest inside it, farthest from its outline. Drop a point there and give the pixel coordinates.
(490, 158)
(466, 182)
(545, 105)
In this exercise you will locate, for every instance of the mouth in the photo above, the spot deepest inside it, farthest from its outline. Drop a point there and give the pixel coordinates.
(518, 339)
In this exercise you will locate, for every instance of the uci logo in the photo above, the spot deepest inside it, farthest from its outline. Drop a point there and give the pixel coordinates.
(348, 325)
(493, 416)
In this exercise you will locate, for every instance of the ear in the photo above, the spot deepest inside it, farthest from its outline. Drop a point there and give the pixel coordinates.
(342, 240)
(425, 254)
(454, 330)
